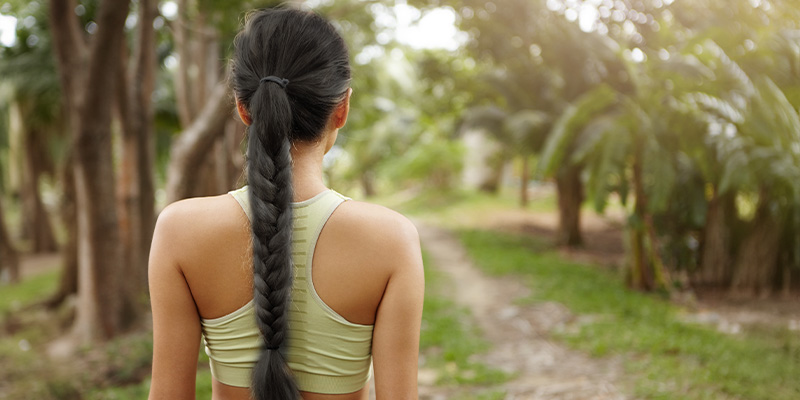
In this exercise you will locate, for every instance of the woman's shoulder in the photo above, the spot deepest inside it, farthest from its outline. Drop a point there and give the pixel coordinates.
(218, 210)
(374, 231)
(194, 222)
(376, 221)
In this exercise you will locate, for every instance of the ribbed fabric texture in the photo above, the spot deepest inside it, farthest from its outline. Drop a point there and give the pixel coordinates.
(327, 353)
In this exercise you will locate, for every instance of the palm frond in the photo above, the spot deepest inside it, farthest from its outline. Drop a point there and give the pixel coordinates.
(566, 127)
(527, 129)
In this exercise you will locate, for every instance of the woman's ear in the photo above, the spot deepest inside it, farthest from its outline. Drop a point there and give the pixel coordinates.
(243, 114)
(339, 117)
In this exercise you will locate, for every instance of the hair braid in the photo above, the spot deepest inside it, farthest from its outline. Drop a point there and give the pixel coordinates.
(302, 52)
(269, 177)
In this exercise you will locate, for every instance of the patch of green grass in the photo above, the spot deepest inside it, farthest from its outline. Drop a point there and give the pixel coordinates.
(667, 358)
(449, 339)
(32, 289)
(459, 207)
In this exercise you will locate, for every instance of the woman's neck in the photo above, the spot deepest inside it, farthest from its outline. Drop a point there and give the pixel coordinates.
(307, 169)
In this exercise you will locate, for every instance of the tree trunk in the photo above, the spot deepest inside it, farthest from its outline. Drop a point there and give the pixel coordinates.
(715, 260)
(136, 193)
(36, 227)
(190, 149)
(661, 276)
(9, 259)
(368, 183)
(523, 184)
(641, 276)
(756, 263)
(203, 107)
(68, 283)
(144, 112)
(206, 183)
(39, 228)
(71, 54)
(570, 198)
(234, 137)
(99, 256)
(496, 165)
(128, 197)
(183, 88)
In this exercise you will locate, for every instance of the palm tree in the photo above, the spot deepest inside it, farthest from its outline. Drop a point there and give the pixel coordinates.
(764, 159)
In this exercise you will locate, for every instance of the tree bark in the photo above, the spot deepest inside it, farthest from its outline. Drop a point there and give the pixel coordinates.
(234, 137)
(715, 260)
(198, 54)
(523, 184)
(368, 183)
(641, 276)
(570, 198)
(143, 84)
(136, 194)
(191, 148)
(31, 146)
(99, 254)
(9, 259)
(38, 227)
(196, 83)
(183, 88)
(68, 282)
(756, 263)
(71, 55)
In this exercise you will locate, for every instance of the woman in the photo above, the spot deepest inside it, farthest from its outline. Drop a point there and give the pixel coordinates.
(237, 268)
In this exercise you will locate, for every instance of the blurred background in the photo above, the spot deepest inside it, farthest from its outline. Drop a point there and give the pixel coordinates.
(607, 192)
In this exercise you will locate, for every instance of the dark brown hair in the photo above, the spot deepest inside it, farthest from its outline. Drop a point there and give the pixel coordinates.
(304, 49)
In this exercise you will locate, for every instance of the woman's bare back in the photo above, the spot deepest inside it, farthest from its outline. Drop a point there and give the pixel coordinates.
(360, 249)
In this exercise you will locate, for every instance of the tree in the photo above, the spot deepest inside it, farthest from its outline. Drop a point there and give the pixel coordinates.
(136, 191)
(654, 141)
(9, 260)
(205, 156)
(541, 63)
(192, 146)
(765, 159)
(30, 89)
(87, 84)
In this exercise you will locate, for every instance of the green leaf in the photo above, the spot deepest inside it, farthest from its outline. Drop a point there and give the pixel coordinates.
(574, 118)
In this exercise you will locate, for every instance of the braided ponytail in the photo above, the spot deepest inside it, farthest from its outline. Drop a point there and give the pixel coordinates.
(290, 70)
(269, 175)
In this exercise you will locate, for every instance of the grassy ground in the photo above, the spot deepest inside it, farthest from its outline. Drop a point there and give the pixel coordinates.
(665, 357)
(36, 288)
(461, 207)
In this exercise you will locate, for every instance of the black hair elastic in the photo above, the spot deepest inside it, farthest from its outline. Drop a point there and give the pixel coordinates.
(280, 81)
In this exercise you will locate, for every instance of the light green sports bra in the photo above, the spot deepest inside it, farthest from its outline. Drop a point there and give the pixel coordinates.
(326, 353)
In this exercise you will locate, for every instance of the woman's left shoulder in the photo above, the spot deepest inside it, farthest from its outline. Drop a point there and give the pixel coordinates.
(377, 222)
(192, 223)
(374, 233)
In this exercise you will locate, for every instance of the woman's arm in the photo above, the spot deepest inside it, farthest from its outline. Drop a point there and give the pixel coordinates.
(176, 323)
(395, 340)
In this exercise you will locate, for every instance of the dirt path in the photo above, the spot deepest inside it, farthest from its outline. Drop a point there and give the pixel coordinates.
(518, 334)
